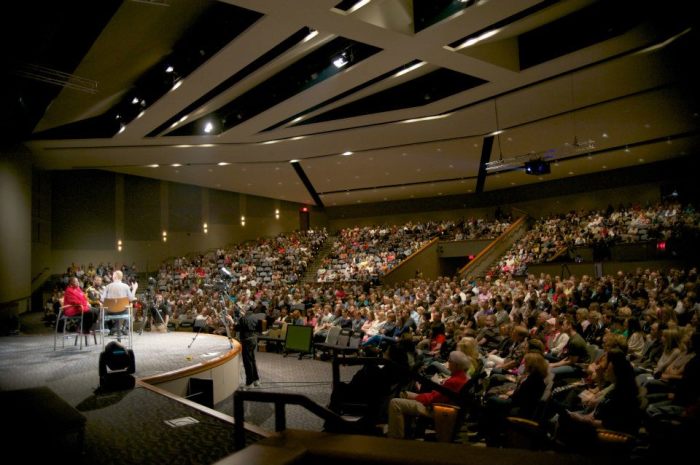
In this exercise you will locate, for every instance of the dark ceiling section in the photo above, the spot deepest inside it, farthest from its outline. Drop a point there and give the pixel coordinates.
(261, 61)
(429, 12)
(53, 36)
(588, 26)
(216, 27)
(312, 69)
(506, 21)
(345, 5)
(344, 94)
(423, 90)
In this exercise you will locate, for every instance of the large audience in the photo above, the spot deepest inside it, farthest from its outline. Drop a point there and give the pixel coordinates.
(620, 350)
(365, 253)
(555, 234)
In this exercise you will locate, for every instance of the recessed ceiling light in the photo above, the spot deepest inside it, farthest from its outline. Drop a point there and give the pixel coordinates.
(312, 33)
(641, 160)
(425, 118)
(604, 135)
(346, 154)
(169, 69)
(223, 163)
(208, 127)
(154, 165)
(409, 69)
(175, 165)
(135, 100)
(176, 85)
(294, 161)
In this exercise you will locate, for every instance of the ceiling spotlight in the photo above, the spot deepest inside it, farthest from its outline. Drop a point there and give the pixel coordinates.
(135, 100)
(169, 69)
(341, 60)
(155, 165)
(176, 165)
(208, 127)
(223, 163)
(346, 154)
(294, 161)
(122, 128)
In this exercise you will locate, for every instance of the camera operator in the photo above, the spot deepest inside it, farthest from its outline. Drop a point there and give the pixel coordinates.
(247, 326)
(160, 313)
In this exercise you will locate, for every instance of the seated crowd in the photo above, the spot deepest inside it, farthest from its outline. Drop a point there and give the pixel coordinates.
(364, 253)
(555, 234)
(615, 352)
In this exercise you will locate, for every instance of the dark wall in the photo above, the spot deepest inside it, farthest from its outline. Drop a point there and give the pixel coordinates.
(141, 209)
(82, 210)
(224, 207)
(184, 208)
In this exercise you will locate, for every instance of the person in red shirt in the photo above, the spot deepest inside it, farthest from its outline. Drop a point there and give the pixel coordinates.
(413, 404)
(75, 302)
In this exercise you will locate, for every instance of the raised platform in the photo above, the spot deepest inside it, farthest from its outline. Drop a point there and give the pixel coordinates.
(30, 361)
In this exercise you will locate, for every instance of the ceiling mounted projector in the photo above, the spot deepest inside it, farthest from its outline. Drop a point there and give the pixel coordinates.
(537, 167)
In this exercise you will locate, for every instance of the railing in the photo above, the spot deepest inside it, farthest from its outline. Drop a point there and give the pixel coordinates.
(491, 249)
(281, 400)
(405, 261)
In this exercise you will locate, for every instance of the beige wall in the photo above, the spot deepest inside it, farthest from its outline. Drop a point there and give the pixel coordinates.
(15, 232)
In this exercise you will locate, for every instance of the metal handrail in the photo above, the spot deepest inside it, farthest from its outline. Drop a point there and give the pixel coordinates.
(281, 400)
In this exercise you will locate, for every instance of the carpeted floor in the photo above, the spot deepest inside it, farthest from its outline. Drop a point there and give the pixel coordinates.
(28, 360)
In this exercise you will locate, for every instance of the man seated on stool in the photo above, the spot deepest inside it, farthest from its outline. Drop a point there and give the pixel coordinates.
(116, 290)
(414, 404)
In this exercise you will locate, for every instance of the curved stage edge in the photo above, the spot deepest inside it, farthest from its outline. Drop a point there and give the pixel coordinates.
(224, 370)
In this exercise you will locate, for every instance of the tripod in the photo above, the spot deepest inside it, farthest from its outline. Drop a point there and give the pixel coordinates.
(224, 297)
(148, 304)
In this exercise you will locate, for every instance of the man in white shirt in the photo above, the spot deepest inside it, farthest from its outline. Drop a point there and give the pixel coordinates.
(115, 290)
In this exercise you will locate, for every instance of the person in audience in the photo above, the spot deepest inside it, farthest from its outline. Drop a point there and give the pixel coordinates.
(413, 404)
(619, 410)
(575, 354)
(520, 401)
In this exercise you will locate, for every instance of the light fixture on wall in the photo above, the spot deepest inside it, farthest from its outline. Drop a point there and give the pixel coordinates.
(119, 245)
(165, 236)
(277, 214)
(242, 220)
(205, 228)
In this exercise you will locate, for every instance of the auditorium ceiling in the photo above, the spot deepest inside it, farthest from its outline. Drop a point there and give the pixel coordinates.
(330, 103)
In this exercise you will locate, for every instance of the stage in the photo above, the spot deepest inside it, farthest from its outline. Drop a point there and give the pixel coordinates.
(30, 361)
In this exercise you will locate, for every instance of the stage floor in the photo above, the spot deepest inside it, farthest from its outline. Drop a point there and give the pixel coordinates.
(73, 374)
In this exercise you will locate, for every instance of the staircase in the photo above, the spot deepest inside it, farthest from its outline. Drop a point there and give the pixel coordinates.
(494, 251)
(310, 274)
